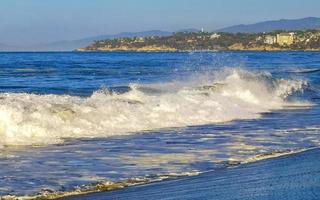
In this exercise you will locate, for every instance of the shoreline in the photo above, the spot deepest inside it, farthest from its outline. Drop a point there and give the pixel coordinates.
(289, 176)
(107, 187)
(197, 51)
(190, 51)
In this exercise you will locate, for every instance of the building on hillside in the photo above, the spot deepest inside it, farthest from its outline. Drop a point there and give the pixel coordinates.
(270, 39)
(215, 36)
(259, 38)
(191, 41)
(139, 39)
(285, 38)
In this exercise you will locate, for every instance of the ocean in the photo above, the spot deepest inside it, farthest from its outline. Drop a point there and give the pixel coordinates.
(71, 121)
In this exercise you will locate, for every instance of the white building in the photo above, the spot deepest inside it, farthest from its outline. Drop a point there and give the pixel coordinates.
(269, 39)
(215, 36)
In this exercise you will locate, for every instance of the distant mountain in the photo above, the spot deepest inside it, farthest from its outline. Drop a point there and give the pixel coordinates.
(69, 45)
(4, 47)
(268, 26)
(191, 30)
(75, 44)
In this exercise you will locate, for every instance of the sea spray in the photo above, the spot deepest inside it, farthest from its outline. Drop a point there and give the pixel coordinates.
(30, 119)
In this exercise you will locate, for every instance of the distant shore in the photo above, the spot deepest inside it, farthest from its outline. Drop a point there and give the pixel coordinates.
(308, 40)
(188, 51)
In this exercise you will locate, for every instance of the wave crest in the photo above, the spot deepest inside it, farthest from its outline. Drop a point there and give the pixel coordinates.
(29, 119)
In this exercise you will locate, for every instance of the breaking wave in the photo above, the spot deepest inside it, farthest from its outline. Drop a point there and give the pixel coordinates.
(30, 119)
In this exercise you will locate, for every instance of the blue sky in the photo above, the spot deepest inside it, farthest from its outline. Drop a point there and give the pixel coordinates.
(41, 21)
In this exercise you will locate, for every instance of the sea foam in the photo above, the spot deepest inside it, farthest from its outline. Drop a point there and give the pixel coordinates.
(30, 119)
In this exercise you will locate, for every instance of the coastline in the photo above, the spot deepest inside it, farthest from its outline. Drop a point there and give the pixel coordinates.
(193, 41)
(196, 51)
(293, 176)
(103, 189)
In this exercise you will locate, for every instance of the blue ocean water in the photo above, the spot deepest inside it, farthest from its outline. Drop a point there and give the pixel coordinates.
(72, 119)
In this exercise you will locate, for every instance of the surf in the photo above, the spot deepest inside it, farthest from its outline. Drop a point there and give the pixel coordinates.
(223, 96)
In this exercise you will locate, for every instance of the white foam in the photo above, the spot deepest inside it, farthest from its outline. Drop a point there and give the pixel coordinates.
(29, 119)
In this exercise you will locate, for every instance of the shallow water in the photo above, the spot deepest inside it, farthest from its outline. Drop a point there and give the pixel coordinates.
(291, 177)
(72, 119)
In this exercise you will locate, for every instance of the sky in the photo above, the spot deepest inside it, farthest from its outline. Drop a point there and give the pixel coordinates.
(43, 21)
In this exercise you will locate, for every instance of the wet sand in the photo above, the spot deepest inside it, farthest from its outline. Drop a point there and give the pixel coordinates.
(292, 177)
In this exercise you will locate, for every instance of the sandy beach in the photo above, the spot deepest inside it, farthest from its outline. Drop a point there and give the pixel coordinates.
(294, 177)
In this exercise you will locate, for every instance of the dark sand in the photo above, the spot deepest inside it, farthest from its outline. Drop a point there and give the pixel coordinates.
(291, 177)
